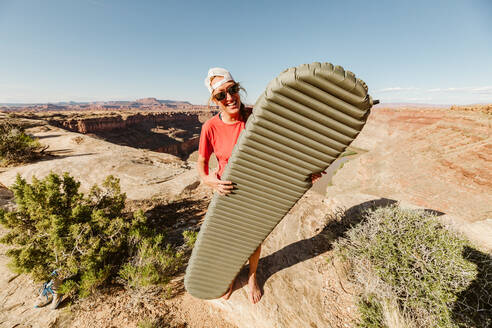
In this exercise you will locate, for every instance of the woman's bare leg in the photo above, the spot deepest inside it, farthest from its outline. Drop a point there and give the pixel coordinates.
(229, 291)
(254, 289)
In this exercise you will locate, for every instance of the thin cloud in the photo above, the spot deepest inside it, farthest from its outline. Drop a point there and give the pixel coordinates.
(474, 90)
(398, 89)
(483, 90)
(470, 90)
(448, 89)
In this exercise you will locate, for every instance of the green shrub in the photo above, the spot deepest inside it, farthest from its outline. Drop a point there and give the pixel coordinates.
(371, 312)
(190, 237)
(56, 227)
(16, 146)
(148, 323)
(408, 258)
(88, 239)
(152, 262)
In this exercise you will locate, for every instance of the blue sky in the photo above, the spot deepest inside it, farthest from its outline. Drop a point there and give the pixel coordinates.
(416, 51)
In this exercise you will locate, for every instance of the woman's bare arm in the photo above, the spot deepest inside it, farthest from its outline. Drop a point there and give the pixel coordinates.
(211, 180)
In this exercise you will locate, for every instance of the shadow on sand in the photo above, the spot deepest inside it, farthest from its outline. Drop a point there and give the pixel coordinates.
(306, 249)
(143, 137)
(473, 307)
(173, 218)
(52, 155)
(48, 136)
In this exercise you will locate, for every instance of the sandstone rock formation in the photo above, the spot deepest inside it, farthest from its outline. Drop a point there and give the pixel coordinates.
(434, 158)
(172, 132)
(127, 120)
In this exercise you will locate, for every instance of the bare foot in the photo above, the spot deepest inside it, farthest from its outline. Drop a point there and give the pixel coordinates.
(254, 290)
(229, 291)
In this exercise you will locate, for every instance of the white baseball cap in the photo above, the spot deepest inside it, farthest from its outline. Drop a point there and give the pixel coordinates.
(217, 71)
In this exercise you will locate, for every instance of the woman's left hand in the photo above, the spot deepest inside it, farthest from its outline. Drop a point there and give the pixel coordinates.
(316, 176)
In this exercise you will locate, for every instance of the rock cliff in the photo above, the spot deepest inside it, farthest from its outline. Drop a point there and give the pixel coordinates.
(123, 121)
(173, 132)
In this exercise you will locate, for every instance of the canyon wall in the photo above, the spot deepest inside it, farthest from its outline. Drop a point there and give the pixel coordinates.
(180, 149)
(172, 132)
(122, 121)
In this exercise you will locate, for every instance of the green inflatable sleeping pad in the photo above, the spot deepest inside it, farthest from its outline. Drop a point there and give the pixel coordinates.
(304, 120)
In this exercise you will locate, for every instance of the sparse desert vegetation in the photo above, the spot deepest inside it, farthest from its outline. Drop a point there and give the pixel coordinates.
(16, 147)
(89, 239)
(413, 272)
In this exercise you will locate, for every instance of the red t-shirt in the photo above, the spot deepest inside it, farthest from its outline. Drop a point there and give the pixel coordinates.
(219, 138)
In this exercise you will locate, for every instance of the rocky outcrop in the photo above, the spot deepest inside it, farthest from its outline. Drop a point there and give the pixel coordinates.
(180, 149)
(147, 104)
(172, 132)
(484, 108)
(121, 121)
(148, 101)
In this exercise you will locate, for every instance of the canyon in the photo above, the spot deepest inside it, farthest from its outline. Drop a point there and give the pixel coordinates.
(439, 159)
(174, 132)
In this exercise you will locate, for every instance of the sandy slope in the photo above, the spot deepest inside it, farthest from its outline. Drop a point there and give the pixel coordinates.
(432, 158)
(143, 174)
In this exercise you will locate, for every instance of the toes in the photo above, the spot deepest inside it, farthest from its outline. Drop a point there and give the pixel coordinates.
(255, 297)
(227, 295)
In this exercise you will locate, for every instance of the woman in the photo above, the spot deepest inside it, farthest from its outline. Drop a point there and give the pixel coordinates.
(219, 135)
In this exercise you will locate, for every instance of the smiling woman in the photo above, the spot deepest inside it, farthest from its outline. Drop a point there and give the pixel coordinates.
(219, 135)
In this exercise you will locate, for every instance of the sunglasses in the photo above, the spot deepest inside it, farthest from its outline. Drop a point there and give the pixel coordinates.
(232, 90)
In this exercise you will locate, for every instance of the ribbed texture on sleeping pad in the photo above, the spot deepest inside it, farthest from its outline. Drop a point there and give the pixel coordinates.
(303, 121)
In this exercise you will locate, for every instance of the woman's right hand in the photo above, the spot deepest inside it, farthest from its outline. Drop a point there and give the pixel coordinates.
(222, 187)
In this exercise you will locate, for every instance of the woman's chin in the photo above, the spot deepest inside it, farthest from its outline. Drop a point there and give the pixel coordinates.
(232, 109)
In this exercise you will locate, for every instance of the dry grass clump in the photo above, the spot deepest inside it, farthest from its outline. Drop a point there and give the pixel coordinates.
(415, 273)
(16, 146)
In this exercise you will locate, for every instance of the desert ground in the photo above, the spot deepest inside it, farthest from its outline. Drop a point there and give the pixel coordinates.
(439, 159)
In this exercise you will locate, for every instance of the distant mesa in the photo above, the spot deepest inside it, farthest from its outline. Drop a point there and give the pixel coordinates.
(154, 101)
(149, 103)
